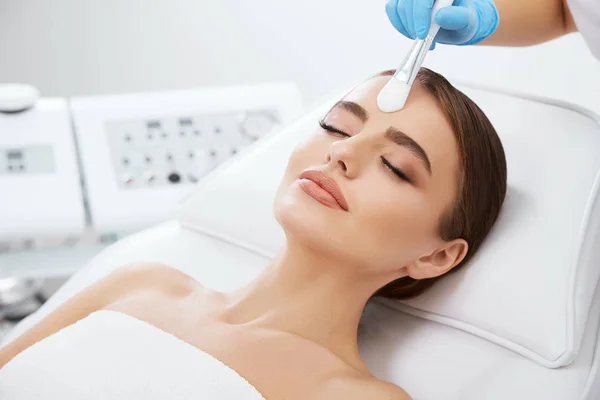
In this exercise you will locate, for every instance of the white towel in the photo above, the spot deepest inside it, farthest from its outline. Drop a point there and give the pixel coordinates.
(111, 355)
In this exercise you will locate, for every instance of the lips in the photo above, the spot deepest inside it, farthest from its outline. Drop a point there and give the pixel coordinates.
(323, 188)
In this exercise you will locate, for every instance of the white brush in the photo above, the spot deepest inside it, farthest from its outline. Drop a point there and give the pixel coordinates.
(394, 94)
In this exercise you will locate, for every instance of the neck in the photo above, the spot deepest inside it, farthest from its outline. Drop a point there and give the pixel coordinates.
(310, 295)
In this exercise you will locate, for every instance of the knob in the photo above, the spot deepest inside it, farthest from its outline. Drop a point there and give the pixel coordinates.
(16, 97)
(134, 159)
(257, 124)
(149, 177)
(127, 179)
(174, 177)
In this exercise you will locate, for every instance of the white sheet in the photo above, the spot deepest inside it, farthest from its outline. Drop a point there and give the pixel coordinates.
(111, 355)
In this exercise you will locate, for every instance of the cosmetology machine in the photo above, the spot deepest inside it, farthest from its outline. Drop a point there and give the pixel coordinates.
(76, 174)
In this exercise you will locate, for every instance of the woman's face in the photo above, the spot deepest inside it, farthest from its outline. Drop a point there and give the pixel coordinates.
(396, 174)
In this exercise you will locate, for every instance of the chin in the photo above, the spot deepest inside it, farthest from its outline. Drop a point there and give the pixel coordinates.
(305, 220)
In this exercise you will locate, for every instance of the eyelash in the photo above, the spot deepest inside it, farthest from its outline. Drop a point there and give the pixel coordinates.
(399, 173)
(332, 129)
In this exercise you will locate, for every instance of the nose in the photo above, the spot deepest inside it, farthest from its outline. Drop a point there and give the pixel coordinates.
(345, 156)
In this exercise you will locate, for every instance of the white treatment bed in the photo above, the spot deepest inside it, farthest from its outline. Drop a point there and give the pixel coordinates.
(519, 322)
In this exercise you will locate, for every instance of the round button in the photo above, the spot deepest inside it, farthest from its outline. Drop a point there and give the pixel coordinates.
(127, 180)
(133, 158)
(174, 177)
(256, 125)
(150, 177)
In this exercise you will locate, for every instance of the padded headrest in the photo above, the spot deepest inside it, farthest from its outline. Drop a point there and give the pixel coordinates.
(529, 287)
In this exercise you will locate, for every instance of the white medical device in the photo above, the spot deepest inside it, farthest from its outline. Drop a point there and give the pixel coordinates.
(141, 154)
(41, 204)
(77, 174)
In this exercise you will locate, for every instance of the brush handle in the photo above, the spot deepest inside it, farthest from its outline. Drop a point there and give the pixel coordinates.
(408, 70)
(439, 4)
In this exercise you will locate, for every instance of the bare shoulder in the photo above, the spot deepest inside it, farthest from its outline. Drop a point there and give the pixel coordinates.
(156, 276)
(569, 21)
(118, 285)
(375, 389)
(386, 391)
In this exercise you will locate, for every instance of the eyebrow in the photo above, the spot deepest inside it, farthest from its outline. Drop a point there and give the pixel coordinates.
(402, 139)
(352, 107)
(393, 134)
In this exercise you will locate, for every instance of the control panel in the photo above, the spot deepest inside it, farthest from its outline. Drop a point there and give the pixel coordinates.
(142, 154)
(36, 159)
(160, 152)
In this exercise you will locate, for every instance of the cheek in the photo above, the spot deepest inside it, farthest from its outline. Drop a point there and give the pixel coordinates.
(395, 221)
(310, 153)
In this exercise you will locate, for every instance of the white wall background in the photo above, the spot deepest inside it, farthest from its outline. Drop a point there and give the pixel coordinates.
(73, 47)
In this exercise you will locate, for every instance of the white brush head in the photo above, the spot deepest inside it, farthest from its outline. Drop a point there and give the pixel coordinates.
(393, 96)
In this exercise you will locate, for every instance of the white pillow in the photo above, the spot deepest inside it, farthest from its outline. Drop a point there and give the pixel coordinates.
(529, 287)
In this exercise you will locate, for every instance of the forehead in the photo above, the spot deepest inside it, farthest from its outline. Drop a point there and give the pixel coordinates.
(422, 118)
(421, 108)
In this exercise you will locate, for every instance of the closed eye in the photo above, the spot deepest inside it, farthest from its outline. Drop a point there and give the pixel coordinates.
(332, 129)
(398, 172)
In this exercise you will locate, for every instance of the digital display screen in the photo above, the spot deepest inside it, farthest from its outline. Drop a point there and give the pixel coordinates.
(14, 154)
(153, 124)
(31, 159)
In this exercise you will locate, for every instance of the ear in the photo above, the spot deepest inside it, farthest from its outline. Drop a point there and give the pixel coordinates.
(440, 261)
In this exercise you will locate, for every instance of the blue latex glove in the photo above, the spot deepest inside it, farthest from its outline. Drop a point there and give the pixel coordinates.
(466, 22)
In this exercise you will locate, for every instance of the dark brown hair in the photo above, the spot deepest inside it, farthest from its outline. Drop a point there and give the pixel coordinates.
(482, 177)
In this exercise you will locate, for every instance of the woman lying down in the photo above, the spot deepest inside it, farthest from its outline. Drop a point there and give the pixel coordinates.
(372, 204)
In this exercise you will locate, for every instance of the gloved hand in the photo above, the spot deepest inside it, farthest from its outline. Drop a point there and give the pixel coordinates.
(466, 22)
